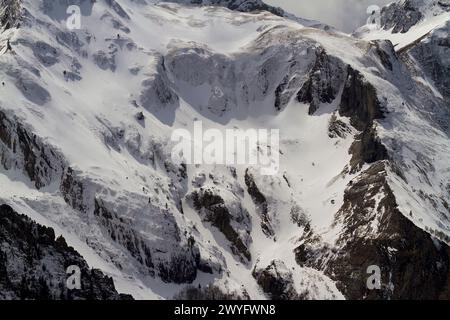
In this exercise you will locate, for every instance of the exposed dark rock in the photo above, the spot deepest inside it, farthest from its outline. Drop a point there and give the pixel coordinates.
(179, 269)
(359, 101)
(105, 61)
(178, 264)
(213, 207)
(432, 57)
(324, 81)
(280, 99)
(400, 16)
(413, 264)
(205, 267)
(260, 202)
(385, 51)
(299, 217)
(11, 13)
(33, 264)
(444, 4)
(239, 5)
(367, 148)
(140, 116)
(72, 190)
(210, 292)
(277, 281)
(294, 78)
(118, 230)
(71, 76)
(24, 151)
(337, 128)
(156, 91)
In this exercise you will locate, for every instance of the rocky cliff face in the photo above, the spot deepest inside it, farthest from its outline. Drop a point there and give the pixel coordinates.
(22, 150)
(401, 16)
(432, 55)
(277, 281)
(323, 84)
(364, 148)
(375, 231)
(33, 264)
(10, 13)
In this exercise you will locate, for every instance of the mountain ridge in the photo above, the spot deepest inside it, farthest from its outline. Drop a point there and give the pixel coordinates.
(98, 166)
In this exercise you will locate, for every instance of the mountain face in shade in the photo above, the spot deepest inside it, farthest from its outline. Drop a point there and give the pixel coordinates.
(33, 264)
(87, 116)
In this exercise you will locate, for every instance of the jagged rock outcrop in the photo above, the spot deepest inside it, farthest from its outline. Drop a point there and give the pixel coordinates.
(276, 280)
(101, 164)
(22, 150)
(260, 202)
(401, 16)
(413, 264)
(210, 292)
(324, 81)
(10, 13)
(33, 264)
(73, 191)
(213, 209)
(338, 128)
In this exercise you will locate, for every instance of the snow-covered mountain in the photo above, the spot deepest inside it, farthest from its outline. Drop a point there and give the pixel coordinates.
(86, 118)
(33, 264)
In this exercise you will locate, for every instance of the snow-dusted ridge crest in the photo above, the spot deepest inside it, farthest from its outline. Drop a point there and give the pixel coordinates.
(86, 118)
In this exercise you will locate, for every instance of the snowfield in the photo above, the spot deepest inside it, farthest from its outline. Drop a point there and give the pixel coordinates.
(86, 118)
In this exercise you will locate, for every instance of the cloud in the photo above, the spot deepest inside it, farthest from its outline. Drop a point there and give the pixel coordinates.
(346, 15)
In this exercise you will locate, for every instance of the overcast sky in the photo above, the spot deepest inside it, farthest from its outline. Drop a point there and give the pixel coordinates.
(345, 15)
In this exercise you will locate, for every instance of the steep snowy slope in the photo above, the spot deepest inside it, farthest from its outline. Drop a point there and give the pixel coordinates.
(86, 118)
